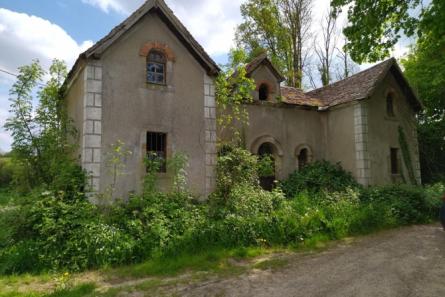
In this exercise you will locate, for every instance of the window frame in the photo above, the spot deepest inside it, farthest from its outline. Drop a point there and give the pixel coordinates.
(159, 147)
(156, 62)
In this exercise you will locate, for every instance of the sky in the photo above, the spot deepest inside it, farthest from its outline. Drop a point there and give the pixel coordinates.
(48, 29)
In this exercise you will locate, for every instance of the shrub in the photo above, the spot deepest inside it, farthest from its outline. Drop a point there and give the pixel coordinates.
(317, 177)
(6, 172)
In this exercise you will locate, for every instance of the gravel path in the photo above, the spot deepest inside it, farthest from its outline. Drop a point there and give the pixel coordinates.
(404, 262)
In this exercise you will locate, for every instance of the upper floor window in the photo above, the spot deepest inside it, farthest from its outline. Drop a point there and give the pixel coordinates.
(263, 92)
(390, 105)
(156, 63)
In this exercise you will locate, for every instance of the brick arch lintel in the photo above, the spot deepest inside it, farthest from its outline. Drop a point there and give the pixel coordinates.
(148, 46)
(271, 87)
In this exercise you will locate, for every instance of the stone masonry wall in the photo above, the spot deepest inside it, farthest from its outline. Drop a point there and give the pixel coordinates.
(210, 133)
(92, 124)
(363, 163)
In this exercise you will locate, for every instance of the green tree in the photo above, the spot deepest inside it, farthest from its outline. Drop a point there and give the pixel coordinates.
(425, 69)
(40, 134)
(279, 27)
(376, 26)
(233, 90)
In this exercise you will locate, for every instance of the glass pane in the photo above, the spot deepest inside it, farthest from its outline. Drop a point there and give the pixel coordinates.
(158, 68)
(159, 78)
(151, 67)
(150, 77)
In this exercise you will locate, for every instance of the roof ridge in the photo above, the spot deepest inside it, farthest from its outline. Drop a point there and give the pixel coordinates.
(392, 60)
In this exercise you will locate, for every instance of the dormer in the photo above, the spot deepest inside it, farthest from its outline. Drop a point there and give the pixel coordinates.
(266, 77)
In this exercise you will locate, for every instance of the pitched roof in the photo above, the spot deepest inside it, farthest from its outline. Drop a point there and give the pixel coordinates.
(172, 22)
(362, 85)
(262, 59)
(296, 96)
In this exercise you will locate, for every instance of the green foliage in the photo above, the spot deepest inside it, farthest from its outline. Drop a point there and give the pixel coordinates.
(280, 28)
(233, 89)
(54, 231)
(406, 156)
(318, 176)
(40, 149)
(6, 171)
(425, 70)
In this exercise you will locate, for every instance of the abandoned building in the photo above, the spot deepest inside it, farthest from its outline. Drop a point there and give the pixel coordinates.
(149, 84)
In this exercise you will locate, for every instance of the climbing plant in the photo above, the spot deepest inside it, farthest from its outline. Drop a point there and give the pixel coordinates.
(406, 156)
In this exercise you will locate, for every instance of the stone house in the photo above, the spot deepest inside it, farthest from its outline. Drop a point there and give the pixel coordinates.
(149, 84)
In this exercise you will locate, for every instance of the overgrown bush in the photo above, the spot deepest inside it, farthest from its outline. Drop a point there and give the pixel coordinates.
(6, 171)
(317, 177)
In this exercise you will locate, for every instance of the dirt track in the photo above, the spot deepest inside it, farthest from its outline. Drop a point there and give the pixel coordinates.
(403, 262)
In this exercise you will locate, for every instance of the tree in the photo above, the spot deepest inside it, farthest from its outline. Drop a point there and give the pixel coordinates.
(425, 70)
(279, 27)
(233, 90)
(325, 51)
(40, 135)
(376, 26)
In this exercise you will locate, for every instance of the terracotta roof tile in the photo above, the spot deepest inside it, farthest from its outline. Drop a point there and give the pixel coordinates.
(355, 87)
(298, 97)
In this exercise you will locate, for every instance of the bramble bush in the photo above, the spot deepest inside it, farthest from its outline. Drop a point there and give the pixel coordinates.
(317, 177)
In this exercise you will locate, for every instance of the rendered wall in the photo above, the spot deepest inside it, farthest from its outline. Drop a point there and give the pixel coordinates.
(384, 133)
(184, 109)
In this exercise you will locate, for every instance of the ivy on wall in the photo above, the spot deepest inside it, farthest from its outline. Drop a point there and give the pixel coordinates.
(406, 156)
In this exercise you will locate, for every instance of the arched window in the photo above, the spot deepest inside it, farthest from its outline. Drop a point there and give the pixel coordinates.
(156, 67)
(390, 105)
(263, 92)
(303, 158)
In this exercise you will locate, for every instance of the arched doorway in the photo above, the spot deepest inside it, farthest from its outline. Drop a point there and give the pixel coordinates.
(302, 158)
(267, 182)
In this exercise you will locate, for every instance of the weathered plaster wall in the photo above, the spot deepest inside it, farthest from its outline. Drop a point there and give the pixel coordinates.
(384, 134)
(340, 137)
(131, 107)
(74, 104)
(290, 127)
(263, 75)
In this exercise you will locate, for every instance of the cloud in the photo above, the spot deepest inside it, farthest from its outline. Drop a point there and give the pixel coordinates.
(26, 37)
(212, 23)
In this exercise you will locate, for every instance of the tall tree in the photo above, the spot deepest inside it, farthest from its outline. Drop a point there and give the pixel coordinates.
(281, 28)
(425, 69)
(376, 26)
(325, 50)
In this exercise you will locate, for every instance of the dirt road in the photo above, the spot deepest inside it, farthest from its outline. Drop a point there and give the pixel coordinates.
(404, 262)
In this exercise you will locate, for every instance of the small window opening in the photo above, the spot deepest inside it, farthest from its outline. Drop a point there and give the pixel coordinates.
(156, 67)
(390, 105)
(394, 161)
(263, 92)
(302, 159)
(157, 148)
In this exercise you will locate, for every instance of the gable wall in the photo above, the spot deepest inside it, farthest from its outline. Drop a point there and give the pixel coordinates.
(339, 137)
(383, 133)
(131, 106)
(75, 107)
(263, 75)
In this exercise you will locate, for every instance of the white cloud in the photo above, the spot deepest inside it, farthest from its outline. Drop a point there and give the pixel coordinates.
(212, 23)
(26, 37)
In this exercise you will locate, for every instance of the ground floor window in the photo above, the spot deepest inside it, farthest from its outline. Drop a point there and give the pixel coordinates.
(303, 159)
(157, 148)
(394, 152)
